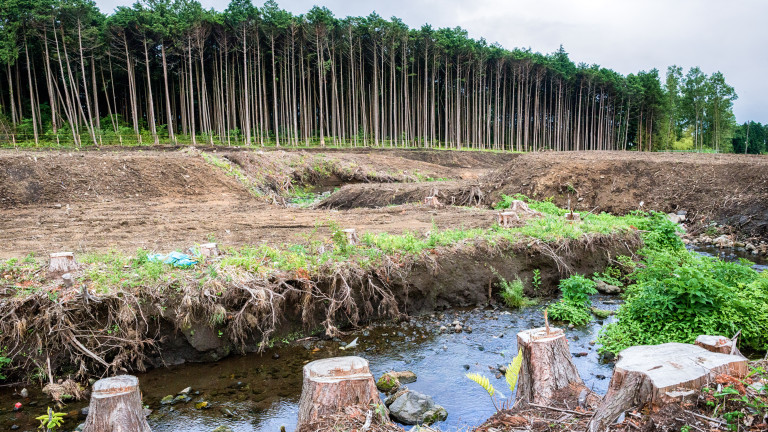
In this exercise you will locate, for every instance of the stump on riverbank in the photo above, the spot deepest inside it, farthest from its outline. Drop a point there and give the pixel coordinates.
(718, 344)
(116, 406)
(432, 201)
(62, 262)
(332, 384)
(547, 370)
(651, 374)
(507, 218)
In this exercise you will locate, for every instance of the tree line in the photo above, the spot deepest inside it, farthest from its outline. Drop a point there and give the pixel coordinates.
(171, 71)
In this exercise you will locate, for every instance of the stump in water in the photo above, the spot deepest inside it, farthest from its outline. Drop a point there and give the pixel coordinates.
(116, 406)
(351, 235)
(652, 374)
(547, 368)
(209, 250)
(332, 384)
(62, 262)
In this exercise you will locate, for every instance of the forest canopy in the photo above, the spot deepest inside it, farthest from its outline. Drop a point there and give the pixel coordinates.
(170, 71)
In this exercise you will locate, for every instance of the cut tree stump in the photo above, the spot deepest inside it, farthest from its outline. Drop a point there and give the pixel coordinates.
(432, 201)
(655, 374)
(547, 370)
(507, 218)
(332, 384)
(62, 262)
(572, 217)
(116, 406)
(209, 250)
(351, 235)
(717, 344)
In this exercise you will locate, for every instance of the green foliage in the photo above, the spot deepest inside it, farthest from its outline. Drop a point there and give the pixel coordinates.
(677, 295)
(536, 280)
(4, 361)
(51, 421)
(512, 293)
(513, 370)
(574, 306)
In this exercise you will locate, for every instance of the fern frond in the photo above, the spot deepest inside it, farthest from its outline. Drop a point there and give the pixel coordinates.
(483, 381)
(513, 370)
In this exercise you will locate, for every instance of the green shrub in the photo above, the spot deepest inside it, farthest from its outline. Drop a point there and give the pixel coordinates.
(563, 311)
(574, 306)
(678, 295)
(512, 293)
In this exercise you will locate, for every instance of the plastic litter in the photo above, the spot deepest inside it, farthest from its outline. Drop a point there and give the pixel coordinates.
(176, 259)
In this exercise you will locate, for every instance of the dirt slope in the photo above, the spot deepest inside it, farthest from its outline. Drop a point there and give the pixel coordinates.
(730, 189)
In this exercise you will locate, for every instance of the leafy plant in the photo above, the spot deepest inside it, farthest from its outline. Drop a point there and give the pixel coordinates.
(51, 421)
(574, 306)
(513, 371)
(512, 293)
(536, 280)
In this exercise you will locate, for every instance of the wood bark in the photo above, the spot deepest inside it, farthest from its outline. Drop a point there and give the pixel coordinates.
(332, 384)
(654, 374)
(62, 262)
(547, 370)
(116, 406)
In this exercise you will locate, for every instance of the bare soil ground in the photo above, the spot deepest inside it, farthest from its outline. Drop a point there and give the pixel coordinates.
(164, 200)
(728, 189)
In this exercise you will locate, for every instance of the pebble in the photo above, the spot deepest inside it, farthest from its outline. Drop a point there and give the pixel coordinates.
(581, 354)
(575, 337)
(24, 393)
(275, 356)
(600, 377)
(14, 427)
(466, 367)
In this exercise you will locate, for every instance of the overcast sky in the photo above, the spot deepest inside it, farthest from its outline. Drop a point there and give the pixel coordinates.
(624, 35)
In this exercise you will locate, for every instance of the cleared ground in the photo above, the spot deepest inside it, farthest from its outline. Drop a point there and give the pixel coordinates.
(163, 200)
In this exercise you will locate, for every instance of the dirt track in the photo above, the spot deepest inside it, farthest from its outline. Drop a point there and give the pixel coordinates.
(53, 201)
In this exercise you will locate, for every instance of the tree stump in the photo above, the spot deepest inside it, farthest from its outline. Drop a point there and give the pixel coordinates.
(351, 236)
(547, 368)
(116, 406)
(654, 374)
(572, 217)
(209, 250)
(432, 201)
(62, 262)
(716, 344)
(507, 218)
(332, 384)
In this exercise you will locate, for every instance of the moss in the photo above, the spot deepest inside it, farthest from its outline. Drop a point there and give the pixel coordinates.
(387, 383)
(601, 313)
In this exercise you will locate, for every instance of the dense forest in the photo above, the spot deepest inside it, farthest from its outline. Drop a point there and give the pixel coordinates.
(170, 71)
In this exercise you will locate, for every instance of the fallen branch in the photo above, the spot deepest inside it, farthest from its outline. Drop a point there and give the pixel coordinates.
(585, 414)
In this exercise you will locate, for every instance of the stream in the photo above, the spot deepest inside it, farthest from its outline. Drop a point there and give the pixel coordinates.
(260, 392)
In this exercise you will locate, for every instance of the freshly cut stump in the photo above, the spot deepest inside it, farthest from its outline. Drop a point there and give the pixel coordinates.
(332, 384)
(717, 344)
(62, 262)
(547, 368)
(209, 250)
(655, 374)
(351, 236)
(116, 406)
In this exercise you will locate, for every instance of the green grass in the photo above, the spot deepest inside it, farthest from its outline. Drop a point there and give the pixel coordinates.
(116, 270)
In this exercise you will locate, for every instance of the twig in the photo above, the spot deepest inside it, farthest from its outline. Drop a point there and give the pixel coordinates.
(734, 341)
(85, 350)
(693, 426)
(586, 414)
(706, 418)
(368, 418)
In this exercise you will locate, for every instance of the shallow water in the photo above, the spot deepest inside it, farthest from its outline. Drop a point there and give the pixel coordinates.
(260, 392)
(732, 254)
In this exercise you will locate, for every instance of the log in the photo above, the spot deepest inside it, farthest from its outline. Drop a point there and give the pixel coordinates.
(656, 374)
(351, 235)
(62, 262)
(332, 384)
(548, 370)
(116, 406)
(209, 250)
